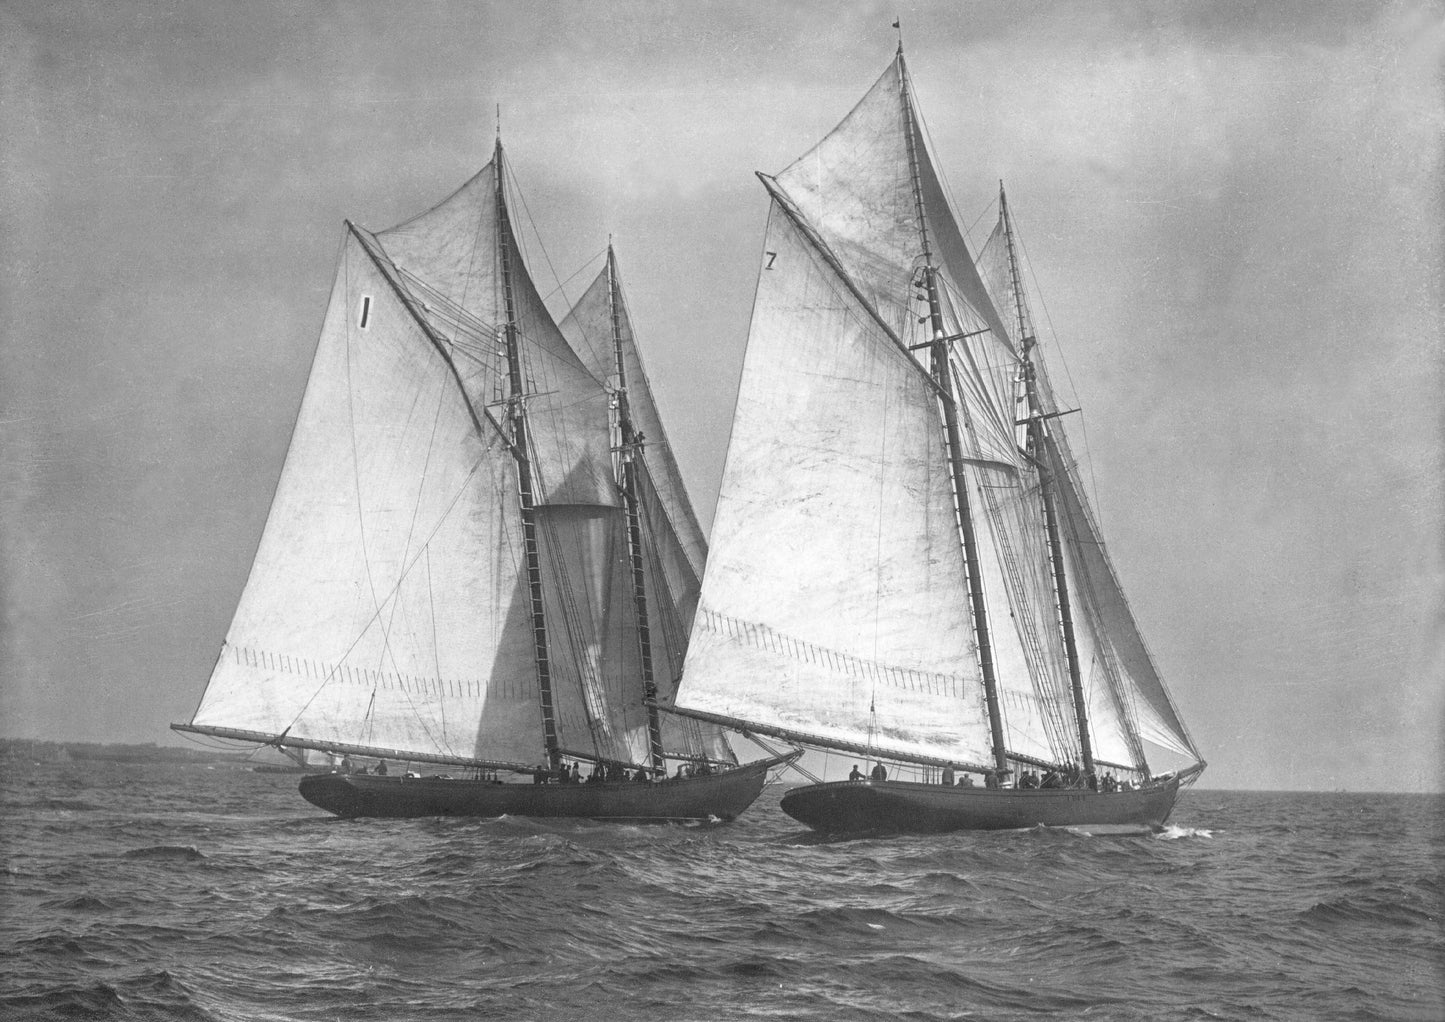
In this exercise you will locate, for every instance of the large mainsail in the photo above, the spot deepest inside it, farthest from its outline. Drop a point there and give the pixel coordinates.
(832, 605)
(385, 607)
(902, 561)
(444, 571)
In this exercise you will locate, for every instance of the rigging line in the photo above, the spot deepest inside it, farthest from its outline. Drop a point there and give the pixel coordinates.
(593, 696)
(660, 440)
(356, 479)
(938, 171)
(388, 653)
(332, 673)
(821, 248)
(575, 273)
(1025, 623)
(411, 524)
(464, 318)
(435, 650)
(1125, 696)
(517, 188)
(1083, 424)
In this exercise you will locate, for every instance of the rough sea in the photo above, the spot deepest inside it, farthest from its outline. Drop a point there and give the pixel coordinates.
(182, 892)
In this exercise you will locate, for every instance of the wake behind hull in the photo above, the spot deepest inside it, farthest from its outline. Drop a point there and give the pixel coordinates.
(721, 796)
(858, 807)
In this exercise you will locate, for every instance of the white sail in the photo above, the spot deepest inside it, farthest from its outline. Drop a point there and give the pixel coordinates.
(588, 329)
(1125, 698)
(1128, 699)
(836, 566)
(451, 257)
(856, 189)
(674, 548)
(391, 606)
(385, 607)
(833, 603)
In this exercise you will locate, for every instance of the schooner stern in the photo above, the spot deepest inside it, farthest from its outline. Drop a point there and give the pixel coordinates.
(480, 554)
(903, 563)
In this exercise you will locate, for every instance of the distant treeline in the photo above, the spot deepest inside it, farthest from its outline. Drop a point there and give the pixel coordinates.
(54, 752)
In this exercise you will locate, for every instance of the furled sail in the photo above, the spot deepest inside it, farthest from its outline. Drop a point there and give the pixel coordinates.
(833, 603)
(385, 606)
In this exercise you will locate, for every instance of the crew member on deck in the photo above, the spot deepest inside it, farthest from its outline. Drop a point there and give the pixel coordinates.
(878, 773)
(948, 775)
(856, 775)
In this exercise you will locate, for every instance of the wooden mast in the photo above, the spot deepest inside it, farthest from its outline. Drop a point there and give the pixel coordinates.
(517, 416)
(630, 446)
(943, 377)
(1046, 490)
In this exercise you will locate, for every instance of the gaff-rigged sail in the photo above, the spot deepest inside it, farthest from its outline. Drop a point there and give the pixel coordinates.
(832, 605)
(385, 606)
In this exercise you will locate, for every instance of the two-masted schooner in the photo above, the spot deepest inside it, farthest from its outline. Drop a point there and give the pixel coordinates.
(903, 565)
(480, 554)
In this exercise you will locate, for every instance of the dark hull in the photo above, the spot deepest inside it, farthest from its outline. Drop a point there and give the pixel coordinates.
(860, 807)
(719, 796)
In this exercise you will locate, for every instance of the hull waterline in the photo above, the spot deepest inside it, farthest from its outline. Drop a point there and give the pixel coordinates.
(866, 807)
(721, 796)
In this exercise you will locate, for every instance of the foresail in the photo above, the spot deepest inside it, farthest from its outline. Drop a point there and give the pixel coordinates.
(1128, 699)
(385, 606)
(834, 585)
(1124, 696)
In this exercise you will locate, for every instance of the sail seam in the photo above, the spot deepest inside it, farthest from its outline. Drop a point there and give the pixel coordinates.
(762, 636)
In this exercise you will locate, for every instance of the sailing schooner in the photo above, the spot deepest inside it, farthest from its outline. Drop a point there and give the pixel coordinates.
(903, 564)
(480, 553)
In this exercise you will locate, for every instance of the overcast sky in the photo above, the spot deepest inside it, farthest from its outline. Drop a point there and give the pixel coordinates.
(1233, 214)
